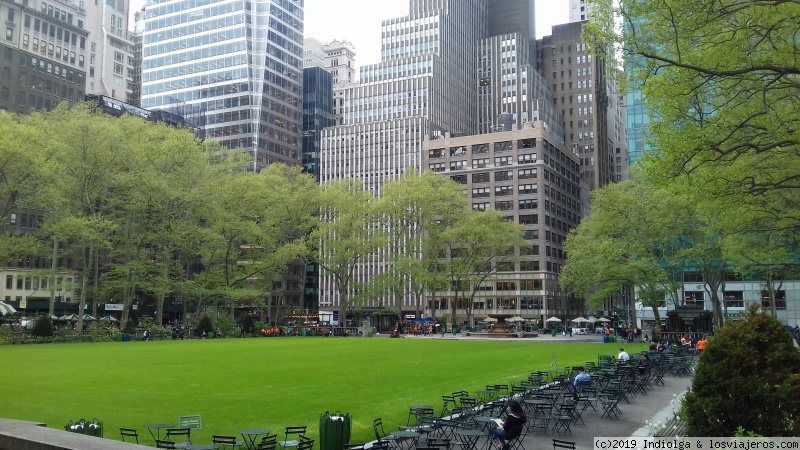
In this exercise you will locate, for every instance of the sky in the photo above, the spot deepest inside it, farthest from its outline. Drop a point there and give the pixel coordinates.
(359, 21)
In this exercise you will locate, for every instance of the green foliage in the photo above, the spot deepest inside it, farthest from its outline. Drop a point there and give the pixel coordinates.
(249, 326)
(100, 333)
(43, 327)
(129, 327)
(6, 336)
(748, 376)
(225, 323)
(741, 432)
(204, 325)
(723, 124)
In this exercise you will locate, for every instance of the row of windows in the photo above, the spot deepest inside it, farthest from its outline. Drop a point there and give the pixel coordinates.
(193, 29)
(39, 64)
(489, 303)
(33, 283)
(195, 15)
(54, 51)
(194, 55)
(200, 67)
(197, 94)
(199, 80)
(48, 29)
(194, 42)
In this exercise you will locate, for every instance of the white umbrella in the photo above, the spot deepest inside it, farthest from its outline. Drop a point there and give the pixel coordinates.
(580, 320)
(109, 319)
(68, 317)
(88, 317)
(603, 319)
(553, 319)
(5, 308)
(515, 319)
(489, 319)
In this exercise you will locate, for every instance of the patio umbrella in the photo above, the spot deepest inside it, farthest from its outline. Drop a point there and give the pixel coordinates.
(67, 317)
(88, 317)
(108, 319)
(603, 319)
(516, 319)
(417, 320)
(5, 308)
(553, 319)
(429, 319)
(489, 320)
(580, 319)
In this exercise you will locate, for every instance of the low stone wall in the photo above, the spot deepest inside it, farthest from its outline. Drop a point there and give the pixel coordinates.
(21, 435)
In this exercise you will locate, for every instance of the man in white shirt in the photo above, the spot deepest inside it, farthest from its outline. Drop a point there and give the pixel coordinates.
(623, 356)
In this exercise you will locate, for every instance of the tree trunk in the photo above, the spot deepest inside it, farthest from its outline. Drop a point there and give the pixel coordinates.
(53, 265)
(87, 260)
(657, 324)
(96, 291)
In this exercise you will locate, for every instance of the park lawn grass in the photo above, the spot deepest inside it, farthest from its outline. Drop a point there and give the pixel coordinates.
(273, 383)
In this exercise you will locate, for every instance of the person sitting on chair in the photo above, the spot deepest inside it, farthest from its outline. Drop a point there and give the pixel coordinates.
(511, 427)
(580, 378)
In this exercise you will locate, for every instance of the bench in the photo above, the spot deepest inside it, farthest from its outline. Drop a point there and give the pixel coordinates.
(672, 428)
(563, 444)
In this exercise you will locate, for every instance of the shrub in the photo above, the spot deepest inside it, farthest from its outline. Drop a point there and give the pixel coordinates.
(129, 327)
(226, 324)
(6, 337)
(248, 325)
(204, 325)
(746, 377)
(43, 327)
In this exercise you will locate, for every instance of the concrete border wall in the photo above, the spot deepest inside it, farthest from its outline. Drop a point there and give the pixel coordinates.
(22, 435)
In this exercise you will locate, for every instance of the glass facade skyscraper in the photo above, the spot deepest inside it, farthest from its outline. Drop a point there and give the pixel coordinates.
(231, 67)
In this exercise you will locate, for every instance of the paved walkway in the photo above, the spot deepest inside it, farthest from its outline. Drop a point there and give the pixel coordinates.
(656, 406)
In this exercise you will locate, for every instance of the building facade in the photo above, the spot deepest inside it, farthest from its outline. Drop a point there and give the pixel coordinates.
(110, 59)
(43, 54)
(580, 10)
(530, 176)
(234, 66)
(424, 84)
(578, 83)
(137, 40)
(511, 92)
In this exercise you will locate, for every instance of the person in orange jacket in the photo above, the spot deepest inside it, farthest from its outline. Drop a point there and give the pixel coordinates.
(701, 344)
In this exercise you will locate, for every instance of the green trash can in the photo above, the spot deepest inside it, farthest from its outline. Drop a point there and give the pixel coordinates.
(613, 339)
(334, 430)
(553, 331)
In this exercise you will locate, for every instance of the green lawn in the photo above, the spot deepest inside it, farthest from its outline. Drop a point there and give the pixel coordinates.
(271, 382)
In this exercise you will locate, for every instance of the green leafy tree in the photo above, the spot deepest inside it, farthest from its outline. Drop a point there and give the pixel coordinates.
(746, 377)
(627, 240)
(43, 327)
(204, 325)
(347, 236)
(723, 122)
(418, 209)
(478, 246)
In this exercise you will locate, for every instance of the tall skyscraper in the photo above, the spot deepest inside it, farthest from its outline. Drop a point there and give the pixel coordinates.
(425, 83)
(232, 66)
(450, 70)
(578, 80)
(137, 40)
